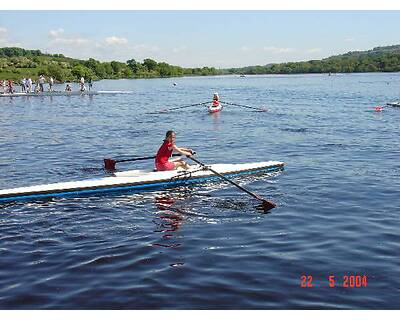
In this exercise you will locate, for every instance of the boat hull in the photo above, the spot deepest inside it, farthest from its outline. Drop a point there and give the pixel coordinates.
(135, 180)
(214, 109)
(394, 104)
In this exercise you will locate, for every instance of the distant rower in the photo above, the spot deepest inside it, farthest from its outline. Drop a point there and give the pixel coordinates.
(51, 84)
(215, 102)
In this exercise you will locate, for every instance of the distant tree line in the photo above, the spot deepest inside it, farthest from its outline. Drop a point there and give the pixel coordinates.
(380, 59)
(16, 63)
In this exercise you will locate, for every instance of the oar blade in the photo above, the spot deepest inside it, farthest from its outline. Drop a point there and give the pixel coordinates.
(266, 205)
(109, 164)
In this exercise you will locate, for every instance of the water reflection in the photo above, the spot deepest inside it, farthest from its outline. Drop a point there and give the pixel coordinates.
(216, 121)
(168, 220)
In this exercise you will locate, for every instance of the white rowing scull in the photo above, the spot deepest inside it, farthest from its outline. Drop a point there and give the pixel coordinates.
(136, 180)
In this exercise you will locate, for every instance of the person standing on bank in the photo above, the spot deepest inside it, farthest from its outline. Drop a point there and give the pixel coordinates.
(162, 161)
(42, 79)
(10, 84)
(82, 84)
(29, 85)
(51, 84)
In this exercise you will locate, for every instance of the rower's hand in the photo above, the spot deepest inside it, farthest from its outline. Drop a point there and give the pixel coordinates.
(191, 153)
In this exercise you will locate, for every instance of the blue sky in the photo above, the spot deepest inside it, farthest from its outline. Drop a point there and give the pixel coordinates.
(200, 38)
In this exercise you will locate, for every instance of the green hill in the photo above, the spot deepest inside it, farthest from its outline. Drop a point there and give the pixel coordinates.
(379, 59)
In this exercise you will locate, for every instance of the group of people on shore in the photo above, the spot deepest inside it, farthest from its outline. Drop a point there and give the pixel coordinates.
(28, 86)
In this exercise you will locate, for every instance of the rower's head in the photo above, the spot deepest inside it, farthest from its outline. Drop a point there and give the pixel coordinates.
(216, 97)
(170, 135)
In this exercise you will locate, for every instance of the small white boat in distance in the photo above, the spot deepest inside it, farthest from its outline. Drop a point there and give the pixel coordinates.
(60, 93)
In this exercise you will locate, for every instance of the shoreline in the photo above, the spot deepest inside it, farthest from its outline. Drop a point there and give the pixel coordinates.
(245, 75)
(228, 75)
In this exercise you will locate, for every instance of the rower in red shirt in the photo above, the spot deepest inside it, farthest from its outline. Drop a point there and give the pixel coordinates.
(215, 102)
(162, 161)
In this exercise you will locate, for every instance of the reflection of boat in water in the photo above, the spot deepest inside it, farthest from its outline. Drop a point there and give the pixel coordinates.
(59, 93)
(136, 180)
(168, 221)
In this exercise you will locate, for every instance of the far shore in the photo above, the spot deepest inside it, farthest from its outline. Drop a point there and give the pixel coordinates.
(17, 82)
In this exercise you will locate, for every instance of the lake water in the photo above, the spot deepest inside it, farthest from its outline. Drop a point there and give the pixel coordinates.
(206, 247)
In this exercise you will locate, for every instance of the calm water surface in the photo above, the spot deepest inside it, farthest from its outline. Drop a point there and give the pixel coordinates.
(205, 247)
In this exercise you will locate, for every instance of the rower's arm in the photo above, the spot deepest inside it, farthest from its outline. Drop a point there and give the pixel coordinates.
(183, 151)
(187, 150)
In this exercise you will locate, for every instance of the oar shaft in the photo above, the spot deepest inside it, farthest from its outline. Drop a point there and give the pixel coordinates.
(109, 164)
(135, 159)
(188, 106)
(229, 180)
(143, 158)
(241, 105)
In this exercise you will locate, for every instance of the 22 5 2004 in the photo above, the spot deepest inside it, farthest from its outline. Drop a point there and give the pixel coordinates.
(345, 281)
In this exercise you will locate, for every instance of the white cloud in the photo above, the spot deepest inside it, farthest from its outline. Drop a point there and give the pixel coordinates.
(5, 41)
(349, 39)
(145, 48)
(313, 50)
(56, 33)
(58, 37)
(277, 50)
(245, 49)
(113, 40)
(179, 49)
(71, 41)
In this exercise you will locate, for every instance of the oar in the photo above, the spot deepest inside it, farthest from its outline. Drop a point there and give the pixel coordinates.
(109, 164)
(244, 106)
(181, 107)
(265, 205)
